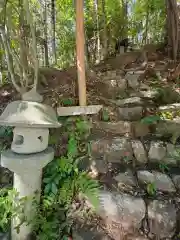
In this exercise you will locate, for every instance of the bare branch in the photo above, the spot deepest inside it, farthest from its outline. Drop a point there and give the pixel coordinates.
(34, 46)
(9, 59)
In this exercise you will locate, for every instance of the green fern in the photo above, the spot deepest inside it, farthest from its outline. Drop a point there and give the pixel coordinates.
(63, 183)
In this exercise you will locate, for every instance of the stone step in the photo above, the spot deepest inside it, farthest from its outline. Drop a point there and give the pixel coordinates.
(134, 129)
(122, 150)
(124, 215)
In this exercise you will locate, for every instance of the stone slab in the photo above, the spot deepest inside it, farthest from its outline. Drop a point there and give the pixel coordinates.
(78, 110)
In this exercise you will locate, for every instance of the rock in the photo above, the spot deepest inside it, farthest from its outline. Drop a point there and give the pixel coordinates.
(130, 114)
(111, 74)
(6, 176)
(113, 150)
(176, 180)
(139, 151)
(144, 87)
(122, 84)
(140, 129)
(161, 181)
(120, 127)
(157, 151)
(89, 233)
(169, 107)
(162, 219)
(111, 88)
(169, 127)
(126, 178)
(136, 237)
(130, 102)
(99, 165)
(122, 209)
(114, 84)
(145, 177)
(149, 94)
(171, 156)
(132, 79)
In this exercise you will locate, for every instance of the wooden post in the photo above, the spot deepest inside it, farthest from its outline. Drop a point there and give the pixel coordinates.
(80, 52)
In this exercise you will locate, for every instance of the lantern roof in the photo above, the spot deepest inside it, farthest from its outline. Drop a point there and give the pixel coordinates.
(29, 114)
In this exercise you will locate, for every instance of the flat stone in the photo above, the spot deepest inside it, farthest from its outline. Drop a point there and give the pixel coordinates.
(122, 209)
(78, 110)
(113, 150)
(120, 127)
(149, 94)
(176, 180)
(126, 178)
(161, 181)
(130, 114)
(139, 151)
(169, 107)
(162, 219)
(129, 102)
(157, 151)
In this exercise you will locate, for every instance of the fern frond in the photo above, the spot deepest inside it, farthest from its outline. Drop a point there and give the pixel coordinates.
(89, 188)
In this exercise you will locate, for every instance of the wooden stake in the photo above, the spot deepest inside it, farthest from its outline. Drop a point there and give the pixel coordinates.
(80, 52)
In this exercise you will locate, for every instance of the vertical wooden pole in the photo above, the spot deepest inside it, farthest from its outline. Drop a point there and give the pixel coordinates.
(80, 52)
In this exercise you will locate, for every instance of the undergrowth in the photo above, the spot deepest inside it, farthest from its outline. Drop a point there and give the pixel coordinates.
(63, 183)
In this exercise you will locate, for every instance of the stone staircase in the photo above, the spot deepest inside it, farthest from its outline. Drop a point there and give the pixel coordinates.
(135, 162)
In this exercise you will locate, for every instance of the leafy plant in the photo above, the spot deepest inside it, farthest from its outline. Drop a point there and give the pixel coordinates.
(163, 167)
(151, 189)
(67, 102)
(10, 206)
(105, 115)
(127, 158)
(151, 119)
(63, 182)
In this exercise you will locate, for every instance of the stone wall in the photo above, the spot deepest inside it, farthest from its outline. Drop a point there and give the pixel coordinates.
(136, 163)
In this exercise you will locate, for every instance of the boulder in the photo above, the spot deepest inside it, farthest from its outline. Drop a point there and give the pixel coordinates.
(130, 113)
(162, 219)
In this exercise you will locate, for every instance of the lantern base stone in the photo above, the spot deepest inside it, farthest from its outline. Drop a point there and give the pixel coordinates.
(27, 181)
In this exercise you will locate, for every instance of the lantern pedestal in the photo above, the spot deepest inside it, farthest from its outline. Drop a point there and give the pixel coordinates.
(27, 170)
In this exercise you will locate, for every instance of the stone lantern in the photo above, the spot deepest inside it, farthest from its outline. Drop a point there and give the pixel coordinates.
(29, 152)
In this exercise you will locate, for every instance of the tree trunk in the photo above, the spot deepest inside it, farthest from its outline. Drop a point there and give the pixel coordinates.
(53, 22)
(22, 37)
(172, 28)
(105, 37)
(125, 16)
(46, 55)
(146, 27)
(98, 55)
